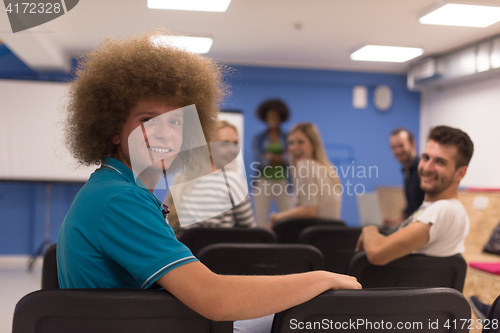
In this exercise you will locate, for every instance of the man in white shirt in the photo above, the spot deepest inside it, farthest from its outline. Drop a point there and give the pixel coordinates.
(439, 226)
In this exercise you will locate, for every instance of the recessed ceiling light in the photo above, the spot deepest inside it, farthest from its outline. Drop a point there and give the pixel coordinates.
(463, 15)
(198, 5)
(386, 53)
(187, 43)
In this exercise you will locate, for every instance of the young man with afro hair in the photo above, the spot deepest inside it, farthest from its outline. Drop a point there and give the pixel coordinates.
(115, 234)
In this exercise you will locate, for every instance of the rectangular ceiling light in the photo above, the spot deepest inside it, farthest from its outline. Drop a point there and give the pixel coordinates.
(197, 5)
(386, 53)
(187, 43)
(463, 15)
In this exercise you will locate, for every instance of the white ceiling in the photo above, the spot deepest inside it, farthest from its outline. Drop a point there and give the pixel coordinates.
(286, 33)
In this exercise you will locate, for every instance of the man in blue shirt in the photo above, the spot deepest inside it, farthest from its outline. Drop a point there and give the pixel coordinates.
(115, 234)
(404, 149)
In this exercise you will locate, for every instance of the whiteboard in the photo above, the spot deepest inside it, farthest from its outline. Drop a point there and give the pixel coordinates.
(31, 133)
(32, 145)
(474, 108)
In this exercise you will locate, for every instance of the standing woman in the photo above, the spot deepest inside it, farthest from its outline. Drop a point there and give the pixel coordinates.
(318, 191)
(269, 149)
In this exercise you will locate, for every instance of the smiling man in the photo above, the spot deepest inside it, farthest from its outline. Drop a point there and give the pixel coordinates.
(139, 109)
(439, 226)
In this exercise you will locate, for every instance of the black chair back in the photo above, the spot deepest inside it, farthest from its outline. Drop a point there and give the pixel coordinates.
(49, 269)
(336, 243)
(261, 259)
(492, 322)
(109, 310)
(288, 231)
(414, 270)
(378, 310)
(197, 238)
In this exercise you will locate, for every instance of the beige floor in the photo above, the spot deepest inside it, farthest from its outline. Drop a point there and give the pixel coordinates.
(15, 282)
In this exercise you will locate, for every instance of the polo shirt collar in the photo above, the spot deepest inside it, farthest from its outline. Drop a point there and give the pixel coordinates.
(128, 175)
(121, 168)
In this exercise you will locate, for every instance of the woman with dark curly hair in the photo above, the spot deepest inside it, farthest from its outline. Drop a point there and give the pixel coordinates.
(115, 235)
(269, 151)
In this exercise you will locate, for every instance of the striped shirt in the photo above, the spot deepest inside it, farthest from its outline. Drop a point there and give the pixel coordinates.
(210, 204)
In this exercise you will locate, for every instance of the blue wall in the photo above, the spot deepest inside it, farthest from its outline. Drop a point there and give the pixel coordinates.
(321, 97)
(22, 217)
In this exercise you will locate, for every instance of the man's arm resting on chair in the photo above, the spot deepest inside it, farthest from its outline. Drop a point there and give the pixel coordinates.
(381, 250)
(225, 297)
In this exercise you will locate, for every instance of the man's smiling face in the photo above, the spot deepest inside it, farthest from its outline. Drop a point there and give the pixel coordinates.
(401, 147)
(151, 134)
(437, 168)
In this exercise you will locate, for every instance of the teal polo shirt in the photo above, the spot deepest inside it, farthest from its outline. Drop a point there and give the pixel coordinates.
(115, 235)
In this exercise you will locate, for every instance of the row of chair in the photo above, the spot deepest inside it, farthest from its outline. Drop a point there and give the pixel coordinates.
(334, 240)
(414, 270)
(289, 231)
(154, 310)
(132, 311)
(336, 246)
(286, 232)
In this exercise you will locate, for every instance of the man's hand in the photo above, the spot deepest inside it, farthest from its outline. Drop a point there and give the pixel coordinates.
(341, 281)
